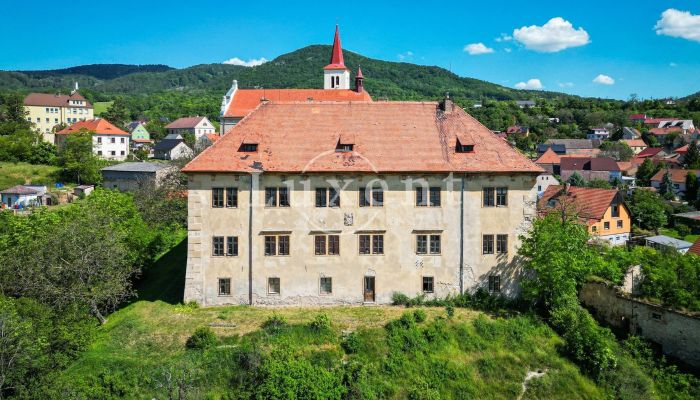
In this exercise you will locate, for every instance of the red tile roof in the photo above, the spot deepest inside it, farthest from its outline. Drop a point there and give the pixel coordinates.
(665, 131)
(20, 189)
(649, 152)
(246, 100)
(99, 126)
(213, 137)
(695, 248)
(53, 100)
(676, 175)
(184, 123)
(388, 137)
(638, 116)
(549, 157)
(589, 203)
(337, 61)
(589, 164)
(634, 142)
(682, 149)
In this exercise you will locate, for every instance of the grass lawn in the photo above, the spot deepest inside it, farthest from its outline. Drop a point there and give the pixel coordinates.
(471, 355)
(674, 234)
(12, 174)
(101, 106)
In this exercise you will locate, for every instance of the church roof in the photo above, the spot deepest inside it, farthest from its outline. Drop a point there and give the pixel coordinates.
(386, 136)
(337, 61)
(246, 100)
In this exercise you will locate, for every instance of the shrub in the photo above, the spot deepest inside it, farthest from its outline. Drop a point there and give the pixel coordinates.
(419, 316)
(274, 324)
(351, 344)
(320, 323)
(399, 299)
(450, 311)
(202, 338)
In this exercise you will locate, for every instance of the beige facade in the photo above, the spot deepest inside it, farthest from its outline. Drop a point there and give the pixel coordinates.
(47, 111)
(461, 221)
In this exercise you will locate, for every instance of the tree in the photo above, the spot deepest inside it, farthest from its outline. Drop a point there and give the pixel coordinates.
(117, 113)
(646, 171)
(691, 187)
(618, 150)
(648, 209)
(599, 183)
(691, 160)
(576, 180)
(79, 163)
(666, 187)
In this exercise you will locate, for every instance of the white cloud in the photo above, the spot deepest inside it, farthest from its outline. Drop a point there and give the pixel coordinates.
(507, 49)
(531, 84)
(253, 62)
(565, 84)
(476, 49)
(556, 35)
(504, 38)
(603, 80)
(680, 24)
(405, 55)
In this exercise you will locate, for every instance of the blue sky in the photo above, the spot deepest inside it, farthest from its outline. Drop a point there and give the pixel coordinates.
(629, 46)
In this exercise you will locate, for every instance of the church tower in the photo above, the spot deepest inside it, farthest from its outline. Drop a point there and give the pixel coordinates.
(335, 74)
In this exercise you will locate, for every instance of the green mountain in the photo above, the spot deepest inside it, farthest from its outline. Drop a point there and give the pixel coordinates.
(299, 69)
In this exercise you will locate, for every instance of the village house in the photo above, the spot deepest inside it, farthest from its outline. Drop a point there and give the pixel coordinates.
(525, 103)
(637, 145)
(196, 126)
(108, 141)
(132, 176)
(630, 133)
(576, 147)
(677, 177)
(638, 118)
(172, 147)
(46, 111)
(139, 134)
(598, 133)
(518, 130)
(310, 203)
(550, 161)
(588, 168)
(22, 196)
(237, 102)
(602, 210)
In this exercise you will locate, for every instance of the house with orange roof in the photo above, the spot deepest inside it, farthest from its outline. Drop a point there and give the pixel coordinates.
(602, 210)
(637, 145)
(108, 141)
(677, 176)
(238, 102)
(350, 202)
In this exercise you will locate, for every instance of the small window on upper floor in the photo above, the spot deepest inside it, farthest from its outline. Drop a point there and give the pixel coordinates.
(248, 147)
(464, 148)
(344, 147)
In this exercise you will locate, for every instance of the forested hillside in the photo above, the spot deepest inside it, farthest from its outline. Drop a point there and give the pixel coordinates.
(299, 69)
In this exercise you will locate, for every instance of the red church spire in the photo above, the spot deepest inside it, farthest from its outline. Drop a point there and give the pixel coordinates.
(337, 61)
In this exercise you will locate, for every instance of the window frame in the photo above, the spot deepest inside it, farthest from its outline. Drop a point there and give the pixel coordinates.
(487, 244)
(430, 280)
(229, 193)
(231, 244)
(227, 282)
(375, 244)
(502, 196)
(218, 249)
(494, 285)
(321, 291)
(606, 225)
(620, 224)
(214, 197)
(502, 244)
(270, 284)
(375, 199)
(489, 197)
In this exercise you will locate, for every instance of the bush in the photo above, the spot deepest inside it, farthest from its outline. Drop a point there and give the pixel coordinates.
(320, 323)
(202, 338)
(450, 311)
(419, 316)
(274, 324)
(399, 299)
(351, 343)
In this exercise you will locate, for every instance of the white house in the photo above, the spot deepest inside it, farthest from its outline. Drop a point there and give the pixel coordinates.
(172, 147)
(598, 133)
(21, 196)
(108, 141)
(197, 126)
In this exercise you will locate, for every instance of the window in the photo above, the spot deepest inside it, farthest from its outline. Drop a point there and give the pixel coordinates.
(273, 285)
(428, 284)
(249, 147)
(615, 211)
(327, 245)
(55, 120)
(224, 286)
(606, 225)
(343, 148)
(489, 200)
(487, 244)
(112, 140)
(231, 197)
(217, 197)
(427, 243)
(619, 224)
(434, 197)
(121, 152)
(501, 196)
(218, 246)
(326, 285)
(502, 244)
(99, 140)
(276, 197)
(327, 197)
(464, 148)
(114, 152)
(372, 244)
(594, 228)
(99, 152)
(494, 283)
(428, 197)
(375, 197)
(47, 120)
(232, 245)
(277, 245)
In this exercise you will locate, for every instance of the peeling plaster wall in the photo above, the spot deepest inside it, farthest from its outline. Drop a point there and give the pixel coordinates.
(399, 269)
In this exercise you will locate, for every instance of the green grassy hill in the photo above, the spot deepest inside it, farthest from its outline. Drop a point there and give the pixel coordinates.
(12, 174)
(299, 69)
(141, 351)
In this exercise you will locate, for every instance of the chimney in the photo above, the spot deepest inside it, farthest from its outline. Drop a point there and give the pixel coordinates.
(447, 105)
(359, 81)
